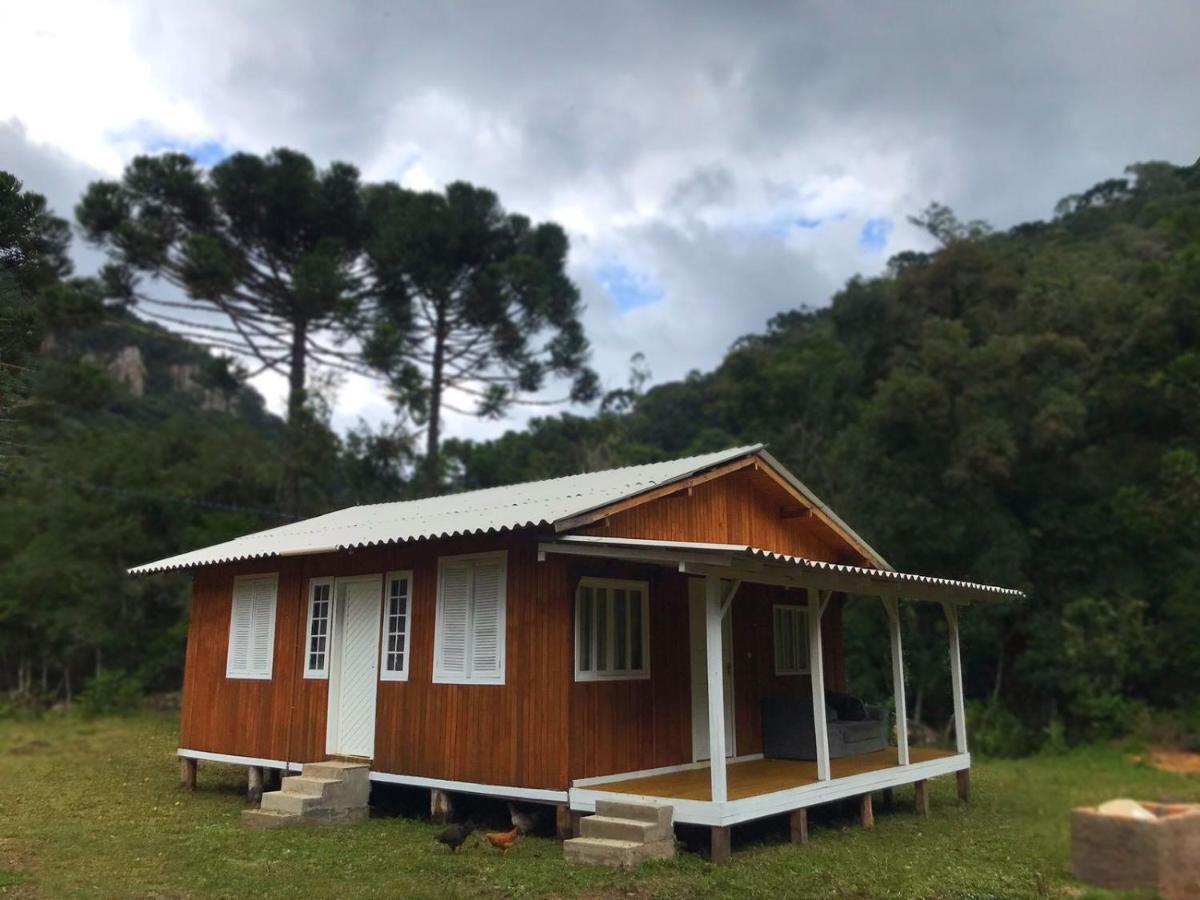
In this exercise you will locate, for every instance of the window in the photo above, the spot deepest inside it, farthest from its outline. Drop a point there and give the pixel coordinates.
(469, 647)
(251, 627)
(612, 638)
(791, 640)
(396, 617)
(320, 606)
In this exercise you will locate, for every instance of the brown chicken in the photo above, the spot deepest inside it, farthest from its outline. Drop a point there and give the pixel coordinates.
(503, 840)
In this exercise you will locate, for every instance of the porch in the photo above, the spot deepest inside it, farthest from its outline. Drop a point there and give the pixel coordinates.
(723, 790)
(758, 787)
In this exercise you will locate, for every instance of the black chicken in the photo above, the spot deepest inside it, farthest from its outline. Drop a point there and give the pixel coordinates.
(454, 836)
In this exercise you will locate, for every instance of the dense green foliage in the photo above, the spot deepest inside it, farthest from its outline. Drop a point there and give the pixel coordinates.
(125, 829)
(1019, 408)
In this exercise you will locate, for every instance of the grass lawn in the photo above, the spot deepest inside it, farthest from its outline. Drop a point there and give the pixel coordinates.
(93, 808)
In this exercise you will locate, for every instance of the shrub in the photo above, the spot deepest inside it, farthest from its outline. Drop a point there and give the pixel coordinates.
(996, 730)
(110, 693)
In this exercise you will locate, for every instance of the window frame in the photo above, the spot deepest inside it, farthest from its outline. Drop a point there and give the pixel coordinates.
(248, 674)
(440, 675)
(313, 584)
(384, 673)
(794, 609)
(613, 584)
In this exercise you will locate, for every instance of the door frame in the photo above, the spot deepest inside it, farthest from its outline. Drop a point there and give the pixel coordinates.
(696, 586)
(336, 619)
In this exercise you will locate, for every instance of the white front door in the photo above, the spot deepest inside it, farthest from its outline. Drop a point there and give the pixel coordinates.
(354, 669)
(699, 655)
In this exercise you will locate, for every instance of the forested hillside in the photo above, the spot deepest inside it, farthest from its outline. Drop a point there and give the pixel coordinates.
(1017, 407)
(1021, 408)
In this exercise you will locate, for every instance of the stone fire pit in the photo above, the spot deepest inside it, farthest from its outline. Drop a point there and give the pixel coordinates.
(1129, 845)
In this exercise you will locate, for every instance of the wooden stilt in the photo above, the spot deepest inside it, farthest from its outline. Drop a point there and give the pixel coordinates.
(799, 826)
(440, 807)
(921, 798)
(576, 817)
(187, 773)
(866, 812)
(963, 777)
(722, 847)
(562, 822)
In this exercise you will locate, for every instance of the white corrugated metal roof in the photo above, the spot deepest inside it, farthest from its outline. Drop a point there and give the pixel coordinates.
(725, 554)
(532, 504)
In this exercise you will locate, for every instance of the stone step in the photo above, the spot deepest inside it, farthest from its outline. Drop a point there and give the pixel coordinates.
(335, 768)
(293, 802)
(592, 851)
(619, 829)
(308, 784)
(657, 813)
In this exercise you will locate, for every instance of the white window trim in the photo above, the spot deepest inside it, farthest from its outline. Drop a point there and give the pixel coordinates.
(323, 672)
(439, 675)
(252, 676)
(641, 674)
(384, 674)
(803, 612)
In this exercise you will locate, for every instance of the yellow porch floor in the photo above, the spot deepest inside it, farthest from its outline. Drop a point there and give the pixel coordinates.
(761, 776)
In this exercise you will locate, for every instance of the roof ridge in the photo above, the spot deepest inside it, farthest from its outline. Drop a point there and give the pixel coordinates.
(747, 448)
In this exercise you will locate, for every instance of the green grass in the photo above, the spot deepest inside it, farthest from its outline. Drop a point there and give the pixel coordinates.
(93, 808)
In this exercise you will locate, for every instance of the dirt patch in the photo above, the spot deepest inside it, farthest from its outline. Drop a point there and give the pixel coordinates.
(1178, 762)
(31, 748)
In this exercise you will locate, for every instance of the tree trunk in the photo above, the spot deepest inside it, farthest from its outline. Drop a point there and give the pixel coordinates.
(289, 493)
(433, 435)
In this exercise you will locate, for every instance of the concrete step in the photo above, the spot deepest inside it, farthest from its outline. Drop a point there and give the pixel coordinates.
(293, 802)
(619, 829)
(308, 784)
(590, 851)
(658, 813)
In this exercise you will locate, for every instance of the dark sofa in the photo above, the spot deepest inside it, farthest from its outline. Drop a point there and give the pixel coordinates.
(788, 728)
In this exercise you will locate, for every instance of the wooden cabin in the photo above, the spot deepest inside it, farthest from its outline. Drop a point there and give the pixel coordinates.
(606, 635)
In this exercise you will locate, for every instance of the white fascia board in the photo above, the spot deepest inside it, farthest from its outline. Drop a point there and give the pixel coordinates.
(536, 795)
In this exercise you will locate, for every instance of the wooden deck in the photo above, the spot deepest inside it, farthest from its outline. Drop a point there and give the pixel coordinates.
(761, 776)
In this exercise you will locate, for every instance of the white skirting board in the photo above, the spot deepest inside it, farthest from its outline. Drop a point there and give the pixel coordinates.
(508, 792)
(206, 756)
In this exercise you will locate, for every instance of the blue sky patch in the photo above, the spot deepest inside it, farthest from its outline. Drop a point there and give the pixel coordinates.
(874, 234)
(152, 140)
(628, 287)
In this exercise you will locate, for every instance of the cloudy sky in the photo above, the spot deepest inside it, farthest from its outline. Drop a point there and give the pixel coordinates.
(714, 163)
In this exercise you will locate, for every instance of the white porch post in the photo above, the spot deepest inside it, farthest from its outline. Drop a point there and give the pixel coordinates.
(892, 606)
(960, 710)
(716, 687)
(816, 666)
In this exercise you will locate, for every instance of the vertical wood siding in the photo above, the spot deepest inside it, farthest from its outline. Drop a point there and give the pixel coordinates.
(743, 507)
(510, 734)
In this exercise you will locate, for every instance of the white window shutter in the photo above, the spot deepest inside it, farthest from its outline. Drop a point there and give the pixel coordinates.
(238, 662)
(252, 628)
(487, 622)
(453, 611)
(262, 642)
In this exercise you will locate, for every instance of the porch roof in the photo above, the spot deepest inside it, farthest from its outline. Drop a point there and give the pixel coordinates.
(740, 562)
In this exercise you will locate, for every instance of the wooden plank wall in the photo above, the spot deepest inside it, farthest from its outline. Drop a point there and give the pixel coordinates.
(754, 658)
(743, 507)
(626, 726)
(249, 717)
(511, 734)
